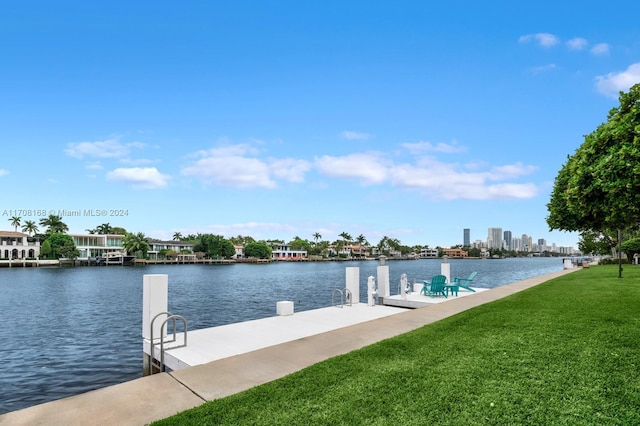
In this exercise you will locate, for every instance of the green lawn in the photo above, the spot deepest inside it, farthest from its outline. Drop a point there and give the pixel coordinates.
(564, 352)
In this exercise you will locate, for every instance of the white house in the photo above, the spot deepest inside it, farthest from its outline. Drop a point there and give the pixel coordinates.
(284, 252)
(17, 245)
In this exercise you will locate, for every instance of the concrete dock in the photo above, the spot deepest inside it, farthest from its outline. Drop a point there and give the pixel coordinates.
(314, 336)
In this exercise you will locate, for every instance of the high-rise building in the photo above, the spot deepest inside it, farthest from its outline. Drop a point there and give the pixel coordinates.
(466, 238)
(507, 240)
(494, 238)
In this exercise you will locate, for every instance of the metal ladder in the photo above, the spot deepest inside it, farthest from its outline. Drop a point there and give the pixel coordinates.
(158, 364)
(342, 292)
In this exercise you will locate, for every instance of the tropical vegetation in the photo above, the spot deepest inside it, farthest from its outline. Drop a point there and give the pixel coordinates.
(597, 191)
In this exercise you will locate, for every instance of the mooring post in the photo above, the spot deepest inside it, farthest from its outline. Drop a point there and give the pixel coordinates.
(445, 268)
(155, 299)
(383, 278)
(353, 283)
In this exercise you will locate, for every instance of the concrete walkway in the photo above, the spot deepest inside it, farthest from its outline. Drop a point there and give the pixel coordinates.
(151, 398)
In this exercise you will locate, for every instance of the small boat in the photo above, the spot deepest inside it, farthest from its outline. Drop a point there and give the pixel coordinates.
(115, 258)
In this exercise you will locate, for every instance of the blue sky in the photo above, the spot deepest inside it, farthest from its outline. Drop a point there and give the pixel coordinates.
(278, 119)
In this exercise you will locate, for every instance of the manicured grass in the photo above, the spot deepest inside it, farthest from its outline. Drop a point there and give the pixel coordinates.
(564, 352)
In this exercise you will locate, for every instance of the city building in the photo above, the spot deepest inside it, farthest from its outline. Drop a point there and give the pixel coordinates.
(466, 237)
(494, 238)
(507, 240)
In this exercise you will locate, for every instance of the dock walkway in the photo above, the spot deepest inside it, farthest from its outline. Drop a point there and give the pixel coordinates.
(151, 398)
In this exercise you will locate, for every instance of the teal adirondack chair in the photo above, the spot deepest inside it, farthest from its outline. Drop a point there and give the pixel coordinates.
(435, 287)
(465, 282)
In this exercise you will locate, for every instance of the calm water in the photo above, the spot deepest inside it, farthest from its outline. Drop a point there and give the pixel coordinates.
(70, 330)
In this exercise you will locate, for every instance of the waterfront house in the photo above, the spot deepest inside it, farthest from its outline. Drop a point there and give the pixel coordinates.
(182, 249)
(284, 252)
(239, 252)
(17, 245)
(455, 253)
(428, 253)
(95, 245)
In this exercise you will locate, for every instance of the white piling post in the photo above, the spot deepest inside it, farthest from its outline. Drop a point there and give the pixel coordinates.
(383, 278)
(353, 283)
(445, 268)
(403, 286)
(155, 299)
(371, 289)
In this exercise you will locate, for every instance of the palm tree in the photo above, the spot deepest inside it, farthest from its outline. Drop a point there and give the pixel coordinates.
(177, 236)
(54, 224)
(104, 229)
(30, 227)
(15, 222)
(136, 243)
(361, 240)
(316, 236)
(346, 237)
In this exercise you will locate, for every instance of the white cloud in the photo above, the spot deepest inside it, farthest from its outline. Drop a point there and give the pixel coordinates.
(543, 39)
(94, 166)
(600, 49)
(4, 172)
(447, 182)
(510, 171)
(232, 171)
(351, 135)
(110, 148)
(368, 168)
(614, 83)
(577, 43)
(148, 178)
(423, 147)
(542, 68)
(290, 169)
(237, 166)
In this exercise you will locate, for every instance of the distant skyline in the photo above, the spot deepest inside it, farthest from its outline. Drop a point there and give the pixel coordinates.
(275, 120)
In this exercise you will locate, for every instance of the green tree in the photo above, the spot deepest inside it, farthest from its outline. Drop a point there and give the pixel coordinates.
(59, 241)
(177, 236)
(45, 249)
(15, 222)
(137, 244)
(117, 230)
(214, 245)
(594, 242)
(30, 227)
(631, 247)
(68, 250)
(598, 188)
(258, 250)
(104, 229)
(299, 244)
(316, 237)
(54, 224)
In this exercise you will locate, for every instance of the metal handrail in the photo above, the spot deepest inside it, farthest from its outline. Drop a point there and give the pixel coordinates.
(343, 292)
(173, 318)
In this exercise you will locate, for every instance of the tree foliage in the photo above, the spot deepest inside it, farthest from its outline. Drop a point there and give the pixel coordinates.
(137, 244)
(214, 246)
(54, 224)
(45, 249)
(258, 250)
(61, 245)
(631, 247)
(598, 188)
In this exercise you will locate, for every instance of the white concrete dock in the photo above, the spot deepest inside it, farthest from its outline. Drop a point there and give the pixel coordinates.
(215, 343)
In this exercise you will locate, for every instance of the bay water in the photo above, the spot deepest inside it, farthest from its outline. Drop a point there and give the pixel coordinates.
(70, 330)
